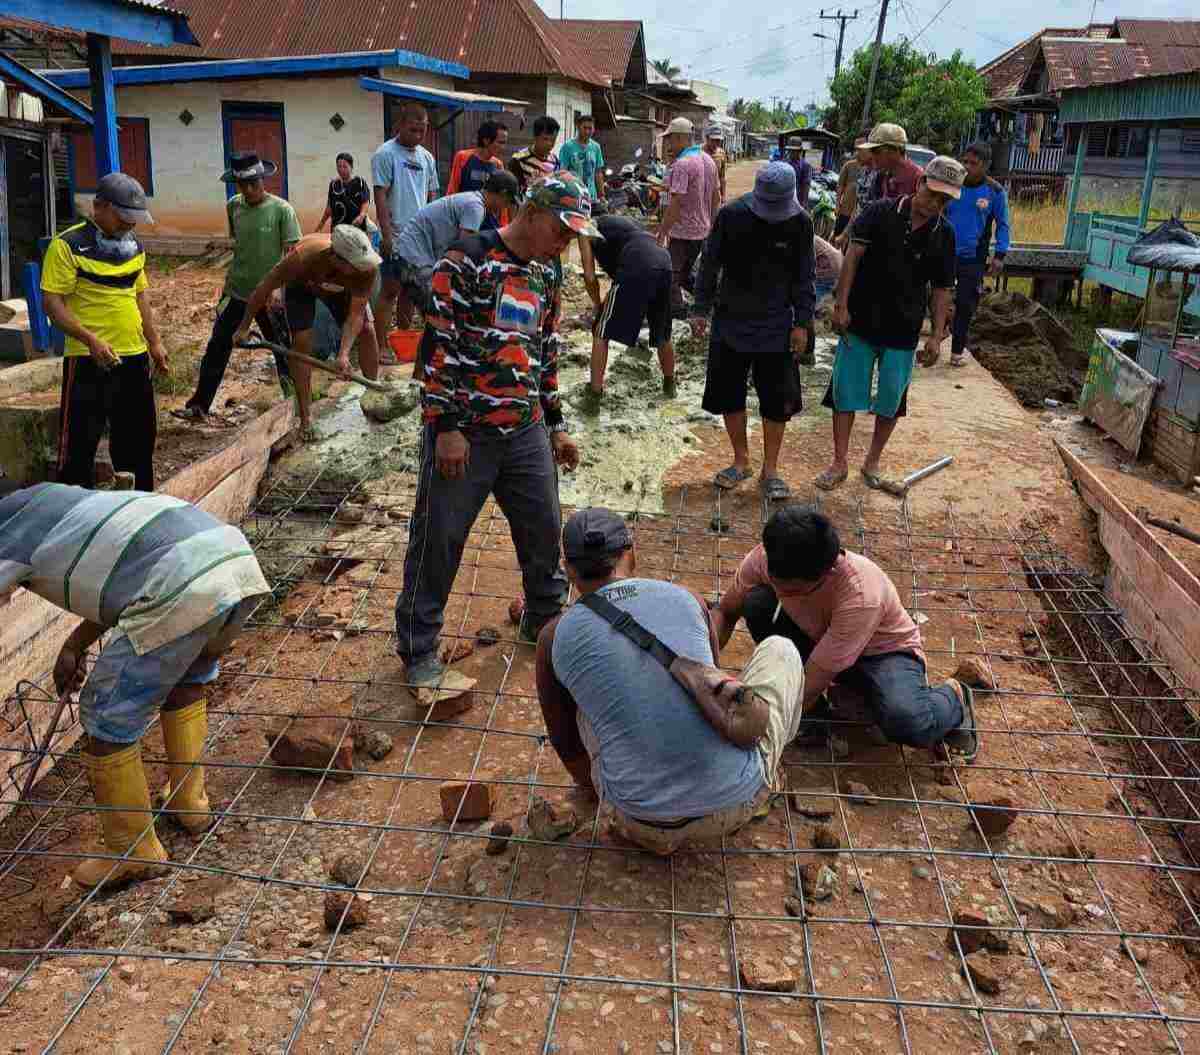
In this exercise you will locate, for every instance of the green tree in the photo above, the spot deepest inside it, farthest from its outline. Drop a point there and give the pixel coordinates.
(897, 64)
(666, 68)
(938, 103)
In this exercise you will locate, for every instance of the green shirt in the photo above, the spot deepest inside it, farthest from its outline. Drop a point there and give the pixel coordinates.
(261, 235)
(584, 161)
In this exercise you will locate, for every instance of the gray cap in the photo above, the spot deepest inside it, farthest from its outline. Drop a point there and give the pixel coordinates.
(595, 532)
(774, 197)
(125, 194)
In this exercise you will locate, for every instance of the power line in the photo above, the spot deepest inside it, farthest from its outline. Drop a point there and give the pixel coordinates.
(921, 33)
(841, 20)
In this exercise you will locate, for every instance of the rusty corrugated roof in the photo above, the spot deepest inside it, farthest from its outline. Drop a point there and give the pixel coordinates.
(610, 43)
(1159, 32)
(1006, 73)
(487, 36)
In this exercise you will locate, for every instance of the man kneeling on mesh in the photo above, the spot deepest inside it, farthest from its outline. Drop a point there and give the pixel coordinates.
(174, 586)
(844, 615)
(626, 728)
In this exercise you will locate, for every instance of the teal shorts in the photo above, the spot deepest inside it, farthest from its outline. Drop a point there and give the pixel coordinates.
(854, 368)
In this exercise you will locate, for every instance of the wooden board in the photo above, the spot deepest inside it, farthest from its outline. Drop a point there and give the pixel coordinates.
(1159, 596)
(33, 630)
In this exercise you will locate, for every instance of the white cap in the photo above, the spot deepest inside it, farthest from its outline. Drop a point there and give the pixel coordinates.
(680, 126)
(352, 245)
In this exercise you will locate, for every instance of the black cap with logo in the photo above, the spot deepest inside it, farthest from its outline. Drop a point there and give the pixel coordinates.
(595, 532)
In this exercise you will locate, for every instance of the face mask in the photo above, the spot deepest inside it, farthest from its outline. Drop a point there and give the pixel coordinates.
(124, 246)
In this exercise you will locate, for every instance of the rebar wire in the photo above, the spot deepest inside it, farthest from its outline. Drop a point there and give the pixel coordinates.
(1109, 698)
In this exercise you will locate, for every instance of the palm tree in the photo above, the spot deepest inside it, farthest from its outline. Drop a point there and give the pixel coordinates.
(666, 68)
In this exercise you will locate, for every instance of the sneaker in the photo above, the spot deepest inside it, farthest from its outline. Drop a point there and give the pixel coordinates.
(962, 745)
(670, 388)
(423, 672)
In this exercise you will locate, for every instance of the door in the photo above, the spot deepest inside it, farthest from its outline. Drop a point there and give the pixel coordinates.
(24, 201)
(257, 127)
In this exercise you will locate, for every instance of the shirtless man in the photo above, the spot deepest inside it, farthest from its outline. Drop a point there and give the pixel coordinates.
(338, 269)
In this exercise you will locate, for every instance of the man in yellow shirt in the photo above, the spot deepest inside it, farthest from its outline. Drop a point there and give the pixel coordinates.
(94, 282)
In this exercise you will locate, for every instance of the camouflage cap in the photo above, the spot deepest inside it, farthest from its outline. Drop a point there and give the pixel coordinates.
(565, 196)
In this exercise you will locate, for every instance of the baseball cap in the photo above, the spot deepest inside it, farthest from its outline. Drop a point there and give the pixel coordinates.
(886, 135)
(680, 126)
(945, 175)
(714, 132)
(595, 532)
(352, 245)
(503, 182)
(568, 199)
(124, 194)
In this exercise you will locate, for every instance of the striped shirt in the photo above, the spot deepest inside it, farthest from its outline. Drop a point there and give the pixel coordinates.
(152, 565)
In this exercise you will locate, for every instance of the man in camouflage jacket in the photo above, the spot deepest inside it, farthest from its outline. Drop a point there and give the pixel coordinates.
(493, 423)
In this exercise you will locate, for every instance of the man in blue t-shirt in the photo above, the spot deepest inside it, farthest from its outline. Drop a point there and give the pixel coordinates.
(626, 729)
(583, 156)
(982, 206)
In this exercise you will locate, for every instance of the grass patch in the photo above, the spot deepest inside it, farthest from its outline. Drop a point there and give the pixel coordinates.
(183, 368)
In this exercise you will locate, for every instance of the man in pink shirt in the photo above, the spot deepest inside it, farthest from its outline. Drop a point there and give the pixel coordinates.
(694, 186)
(845, 617)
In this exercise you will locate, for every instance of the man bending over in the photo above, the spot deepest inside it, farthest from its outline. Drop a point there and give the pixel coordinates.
(844, 615)
(626, 729)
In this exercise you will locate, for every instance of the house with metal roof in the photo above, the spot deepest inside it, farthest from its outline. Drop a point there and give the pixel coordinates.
(304, 83)
(1034, 120)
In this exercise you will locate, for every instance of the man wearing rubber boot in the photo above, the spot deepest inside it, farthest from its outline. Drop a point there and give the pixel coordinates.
(172, 586)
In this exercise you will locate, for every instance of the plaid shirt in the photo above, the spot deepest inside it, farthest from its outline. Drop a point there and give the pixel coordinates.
(494, 326)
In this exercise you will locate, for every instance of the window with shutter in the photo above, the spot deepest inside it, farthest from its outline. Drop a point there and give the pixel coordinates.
(1097, 141)
(133, 140)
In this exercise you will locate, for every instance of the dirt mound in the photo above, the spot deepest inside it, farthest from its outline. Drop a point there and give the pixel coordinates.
(1027, 349)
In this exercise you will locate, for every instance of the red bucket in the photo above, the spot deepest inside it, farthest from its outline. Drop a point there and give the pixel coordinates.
(404, 344)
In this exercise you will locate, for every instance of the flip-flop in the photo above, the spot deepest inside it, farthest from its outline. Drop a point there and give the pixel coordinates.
(958, 360)
(192, 415)
(828, 480)
(962, 744)
(775, 489)
(729, 478)
(872, 480)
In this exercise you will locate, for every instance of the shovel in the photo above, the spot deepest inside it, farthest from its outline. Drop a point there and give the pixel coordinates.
(316, 364)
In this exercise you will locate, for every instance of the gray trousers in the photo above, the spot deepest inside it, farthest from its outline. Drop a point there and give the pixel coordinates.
(519, 470)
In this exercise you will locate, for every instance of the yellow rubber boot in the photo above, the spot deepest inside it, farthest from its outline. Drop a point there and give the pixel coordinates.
(119, 781)
(183, 732)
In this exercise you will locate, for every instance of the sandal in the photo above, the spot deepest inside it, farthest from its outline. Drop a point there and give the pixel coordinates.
(962, 745)
(191, 414)
(872, 479)
(775, 489)
(958, 360)
(828, 480)
(727, 479)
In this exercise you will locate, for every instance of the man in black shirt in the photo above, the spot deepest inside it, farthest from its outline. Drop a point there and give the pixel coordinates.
(640, 270)
(348, 198)
(757, 276)
(899, 248)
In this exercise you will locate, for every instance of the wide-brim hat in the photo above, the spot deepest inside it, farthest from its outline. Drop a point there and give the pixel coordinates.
(247, 167)
(774, 196)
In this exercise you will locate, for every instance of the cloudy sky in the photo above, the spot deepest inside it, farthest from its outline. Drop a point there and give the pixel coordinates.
(762, 48)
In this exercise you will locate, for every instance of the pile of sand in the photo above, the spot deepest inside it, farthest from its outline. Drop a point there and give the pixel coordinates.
(1027, 349)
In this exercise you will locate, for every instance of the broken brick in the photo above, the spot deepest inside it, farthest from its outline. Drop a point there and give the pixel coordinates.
(825, 838)
(453, 651)
(476, 800)
(973, 673)
(757, 972)
(996, 817)
(336, 902)
(984, 972)
(974, 933)
(314, 743)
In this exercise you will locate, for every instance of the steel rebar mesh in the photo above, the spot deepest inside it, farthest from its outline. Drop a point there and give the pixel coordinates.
(586, 944)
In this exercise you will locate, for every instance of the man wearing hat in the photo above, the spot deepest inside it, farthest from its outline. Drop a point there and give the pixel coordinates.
(714, 147)
(896, 176)
(899, 249)
(493, 421)
(795, 157)
(338, 269)
(94, 281)
(264, 228)
(757, 278)
(625, 729)
(695, 197)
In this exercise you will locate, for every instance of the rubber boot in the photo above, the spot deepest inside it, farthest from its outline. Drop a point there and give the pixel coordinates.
(119, 781)
(183, 732)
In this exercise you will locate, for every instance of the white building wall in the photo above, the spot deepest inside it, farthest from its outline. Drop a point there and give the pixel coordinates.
(187, 160)
(564, 99)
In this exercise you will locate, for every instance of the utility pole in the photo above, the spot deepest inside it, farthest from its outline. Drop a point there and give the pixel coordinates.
(841, 20)
(866, 114)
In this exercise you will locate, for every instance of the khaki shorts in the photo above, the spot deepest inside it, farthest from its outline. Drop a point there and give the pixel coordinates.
(776, 673)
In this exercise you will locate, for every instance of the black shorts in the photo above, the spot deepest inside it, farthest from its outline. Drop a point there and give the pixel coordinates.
(638, 292)
(776, 380)
(300, 302)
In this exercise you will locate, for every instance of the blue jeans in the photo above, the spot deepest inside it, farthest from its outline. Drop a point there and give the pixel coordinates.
(907, 708)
